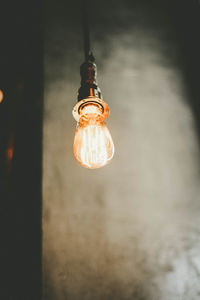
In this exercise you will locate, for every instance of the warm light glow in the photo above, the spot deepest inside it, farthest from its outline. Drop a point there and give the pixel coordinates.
(10, 153)
(1, 96)
(93, 146)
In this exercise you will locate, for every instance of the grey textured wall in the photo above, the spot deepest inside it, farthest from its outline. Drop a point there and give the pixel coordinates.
(131, 229)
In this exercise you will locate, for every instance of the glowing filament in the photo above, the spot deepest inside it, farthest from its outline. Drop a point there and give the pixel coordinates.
(93, 145)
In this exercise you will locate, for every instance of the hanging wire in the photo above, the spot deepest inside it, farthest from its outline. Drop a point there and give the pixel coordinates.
(86, 32)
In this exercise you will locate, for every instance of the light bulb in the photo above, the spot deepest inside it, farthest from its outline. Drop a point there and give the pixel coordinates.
(93, 146)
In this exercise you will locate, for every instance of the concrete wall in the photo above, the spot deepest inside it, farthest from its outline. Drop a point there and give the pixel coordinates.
(131, 229)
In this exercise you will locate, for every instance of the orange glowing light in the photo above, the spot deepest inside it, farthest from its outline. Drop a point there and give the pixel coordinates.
(10, 151)
(1, 96)
(93, 146)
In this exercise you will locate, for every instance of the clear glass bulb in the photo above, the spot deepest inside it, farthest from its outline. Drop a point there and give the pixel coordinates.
(93, 146)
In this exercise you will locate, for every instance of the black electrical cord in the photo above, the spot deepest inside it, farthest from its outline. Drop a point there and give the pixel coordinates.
(88, 69)
(86, 32)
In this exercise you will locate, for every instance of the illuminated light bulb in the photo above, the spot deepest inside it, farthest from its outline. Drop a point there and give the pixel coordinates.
(93, 146)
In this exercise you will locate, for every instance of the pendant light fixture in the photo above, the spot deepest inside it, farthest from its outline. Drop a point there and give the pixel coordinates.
(93, 146)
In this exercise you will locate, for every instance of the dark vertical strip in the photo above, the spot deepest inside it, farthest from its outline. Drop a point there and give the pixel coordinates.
(185, 21)
(21, 79)
(86, 33)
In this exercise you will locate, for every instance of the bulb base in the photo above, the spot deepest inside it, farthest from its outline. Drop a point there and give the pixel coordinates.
(89, 86)
(77, 111)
